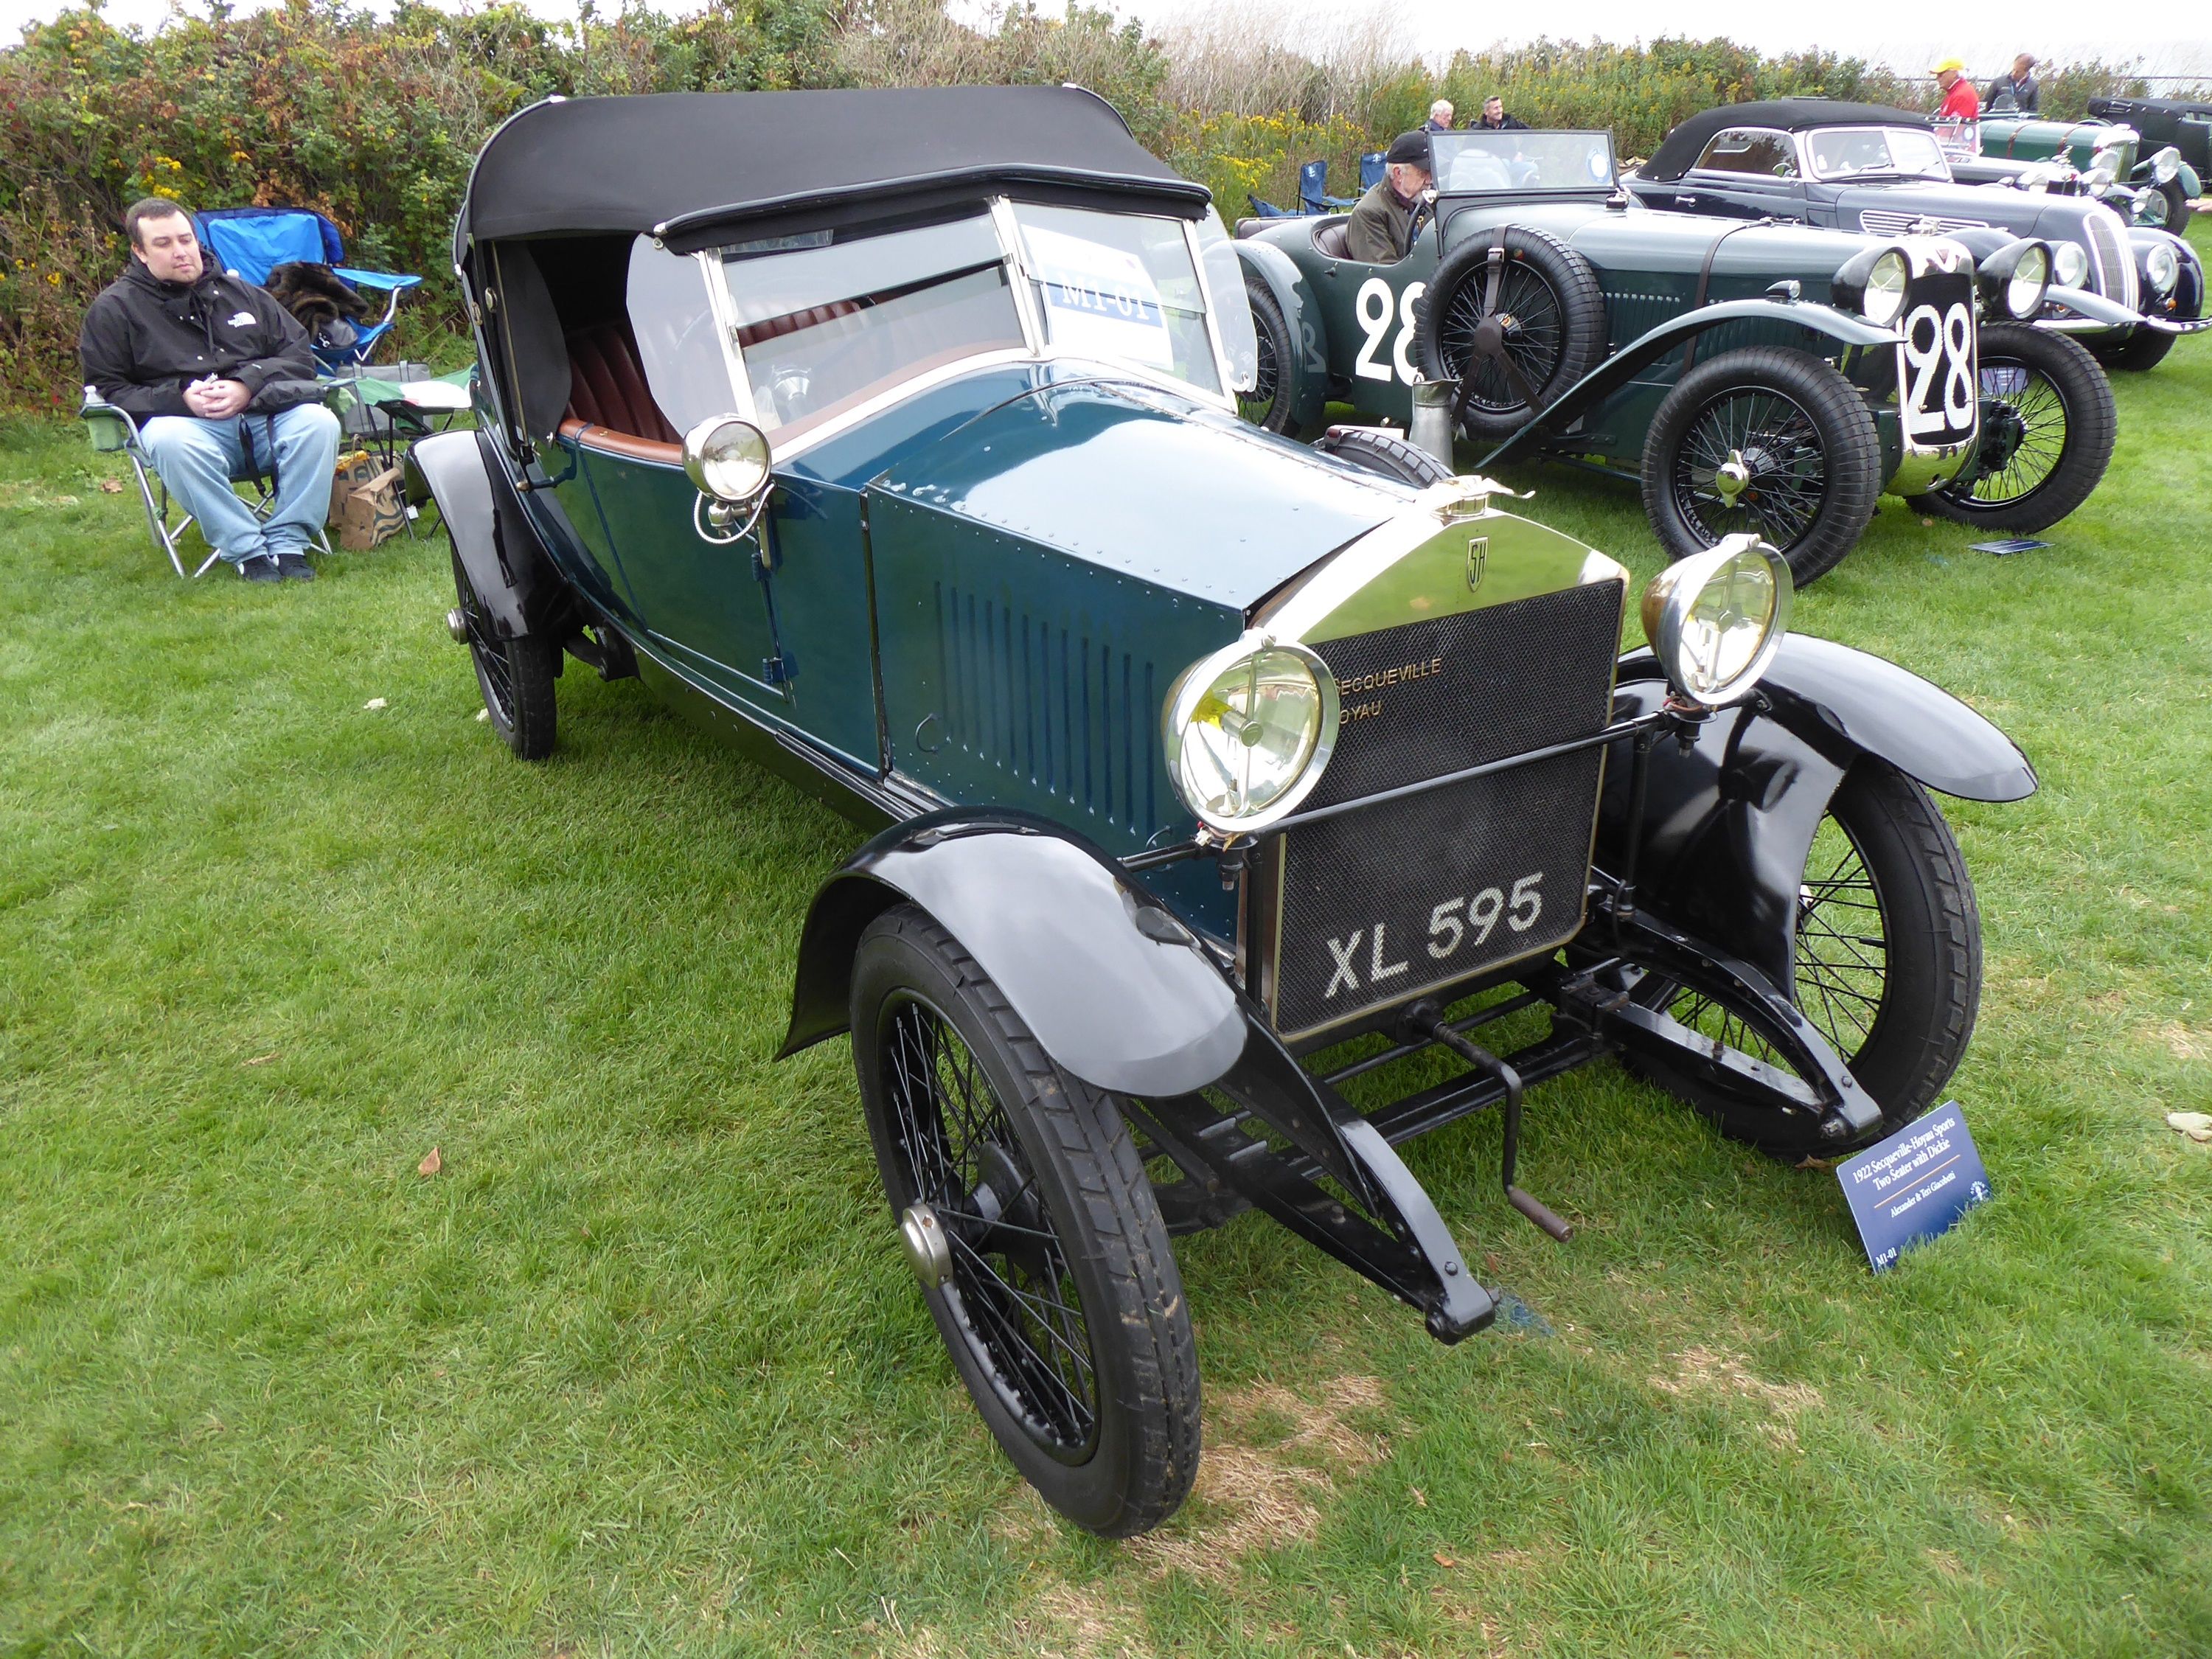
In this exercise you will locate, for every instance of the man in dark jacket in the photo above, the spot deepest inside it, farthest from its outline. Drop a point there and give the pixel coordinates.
(220, 382)
(2019, 86)
(1495, 118)
(1381, 228)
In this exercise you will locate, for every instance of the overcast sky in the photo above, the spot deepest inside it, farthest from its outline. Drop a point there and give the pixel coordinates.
(1986, 36)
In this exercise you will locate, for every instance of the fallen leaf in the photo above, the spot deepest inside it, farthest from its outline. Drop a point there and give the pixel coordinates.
(1928, 524)
(1420, 1498)
(1443, 1560)
(375, 702)
(484, 714)
(2196, 1125)
(431, 1164)
(262, 1059)
(110, 486)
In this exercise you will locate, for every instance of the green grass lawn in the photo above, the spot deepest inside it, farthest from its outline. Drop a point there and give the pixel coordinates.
(642, 1370)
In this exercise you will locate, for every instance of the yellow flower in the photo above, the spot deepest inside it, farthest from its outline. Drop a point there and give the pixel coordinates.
(54, 278)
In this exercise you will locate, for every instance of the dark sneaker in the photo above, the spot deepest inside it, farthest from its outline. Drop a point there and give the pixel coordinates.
(262, 567)
(295, 566)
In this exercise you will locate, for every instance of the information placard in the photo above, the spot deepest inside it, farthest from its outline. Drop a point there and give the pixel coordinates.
(1914, 1186)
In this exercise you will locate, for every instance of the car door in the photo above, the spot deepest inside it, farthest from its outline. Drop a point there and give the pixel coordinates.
(1746, 173)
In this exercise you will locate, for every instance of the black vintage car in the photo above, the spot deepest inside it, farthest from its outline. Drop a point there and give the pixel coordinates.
(1865, 167)
(892, 435)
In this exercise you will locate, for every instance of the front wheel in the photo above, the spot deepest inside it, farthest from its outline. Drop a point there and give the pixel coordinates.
(1768, 441)
(1028, 1218)
(1888, 971)
(515, 676)
(2048, 425)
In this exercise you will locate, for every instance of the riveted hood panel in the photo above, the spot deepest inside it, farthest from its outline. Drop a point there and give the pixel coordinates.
(1142, 482)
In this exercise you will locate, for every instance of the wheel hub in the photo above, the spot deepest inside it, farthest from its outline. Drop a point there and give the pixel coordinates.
(928, 1250)
(1732, 477)
(457, 625)
(2003, 431)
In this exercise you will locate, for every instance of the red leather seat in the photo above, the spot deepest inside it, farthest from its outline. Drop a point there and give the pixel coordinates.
(791, 322)
(607, 388)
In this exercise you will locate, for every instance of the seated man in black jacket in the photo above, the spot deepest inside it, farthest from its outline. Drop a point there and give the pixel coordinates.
(219, 378)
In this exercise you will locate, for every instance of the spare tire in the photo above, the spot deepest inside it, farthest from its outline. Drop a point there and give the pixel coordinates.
(1385, 453)
(1536, 306)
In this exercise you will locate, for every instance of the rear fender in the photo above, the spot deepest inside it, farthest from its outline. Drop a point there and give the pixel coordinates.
(507, 566)
(1728, 822)
(1632, 359)
(1267, 264)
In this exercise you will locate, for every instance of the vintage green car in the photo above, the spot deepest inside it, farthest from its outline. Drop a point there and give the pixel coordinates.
(1232, 795)
(2104, 157)
(1767, 377)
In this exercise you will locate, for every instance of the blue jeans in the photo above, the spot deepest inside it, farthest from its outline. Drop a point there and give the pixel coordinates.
(198, 459)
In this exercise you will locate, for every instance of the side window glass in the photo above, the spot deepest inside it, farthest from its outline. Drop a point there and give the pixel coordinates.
(1751, 149)
(677, 345)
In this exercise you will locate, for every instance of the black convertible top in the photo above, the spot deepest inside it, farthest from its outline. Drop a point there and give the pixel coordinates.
(1681, 148)
(682, 165)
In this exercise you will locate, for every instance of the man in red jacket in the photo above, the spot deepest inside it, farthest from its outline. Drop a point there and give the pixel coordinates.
(1960, 101)
(220, 379)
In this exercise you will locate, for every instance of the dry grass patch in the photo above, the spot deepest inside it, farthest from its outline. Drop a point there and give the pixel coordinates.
(2179, 1041)
(1250, 1497)
(1704, 1372)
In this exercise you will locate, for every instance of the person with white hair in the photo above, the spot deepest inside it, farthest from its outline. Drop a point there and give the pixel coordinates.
(1440, 117)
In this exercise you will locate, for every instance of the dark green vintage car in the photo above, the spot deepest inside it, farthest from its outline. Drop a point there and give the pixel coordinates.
(2105, 159)
(1766, 378)
(1227, 791)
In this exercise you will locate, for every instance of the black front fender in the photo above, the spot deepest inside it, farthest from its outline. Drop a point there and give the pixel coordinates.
(1115, 986)
(1638, 354)
(512, 575)
(1727, 823)
(1307, 369)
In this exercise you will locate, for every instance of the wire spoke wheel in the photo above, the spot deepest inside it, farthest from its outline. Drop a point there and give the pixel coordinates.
(1842, 959)
(2034, 404)
(1256, 404)
(1752, 460)
(1027, 1216)
(515, 676)
(1012, 1291)
(1885, 971)
(1532, 316)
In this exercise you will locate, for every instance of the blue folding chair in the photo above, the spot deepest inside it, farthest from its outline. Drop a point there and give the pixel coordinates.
(1268, 209)
(250, 242)
(1313, 184)
(1370, 170)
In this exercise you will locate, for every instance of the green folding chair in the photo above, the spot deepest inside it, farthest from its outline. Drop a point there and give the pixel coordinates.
(114, 432)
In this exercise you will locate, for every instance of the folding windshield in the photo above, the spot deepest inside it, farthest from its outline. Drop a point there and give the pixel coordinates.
(1120, 286)
(1849, 152)
(826, 318)
(1513, 159)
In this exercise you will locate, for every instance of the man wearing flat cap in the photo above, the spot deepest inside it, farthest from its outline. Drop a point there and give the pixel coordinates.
(1380, 229)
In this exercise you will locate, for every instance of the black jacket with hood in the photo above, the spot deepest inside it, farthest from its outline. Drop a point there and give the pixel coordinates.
(143, 340)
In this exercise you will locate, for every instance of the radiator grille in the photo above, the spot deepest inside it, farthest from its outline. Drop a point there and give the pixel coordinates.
(2112, 270)
(1355, 897)
(1065, 712)
(1893, 221)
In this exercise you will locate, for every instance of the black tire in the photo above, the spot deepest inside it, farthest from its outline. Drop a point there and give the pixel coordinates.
(962, 1101)
(2053, 387)
(1553, 316)
(2142, 351)
(1902, 1023)
(1383, 453)
(1268, 405)
(2177, 208)
(515, 676)
(1803, 433)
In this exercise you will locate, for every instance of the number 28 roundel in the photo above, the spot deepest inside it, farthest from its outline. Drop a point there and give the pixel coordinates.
(1939, 397)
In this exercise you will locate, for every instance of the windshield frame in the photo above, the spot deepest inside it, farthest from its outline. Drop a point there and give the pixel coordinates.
(715, 270)
(1810, 165)
(1594, 187)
